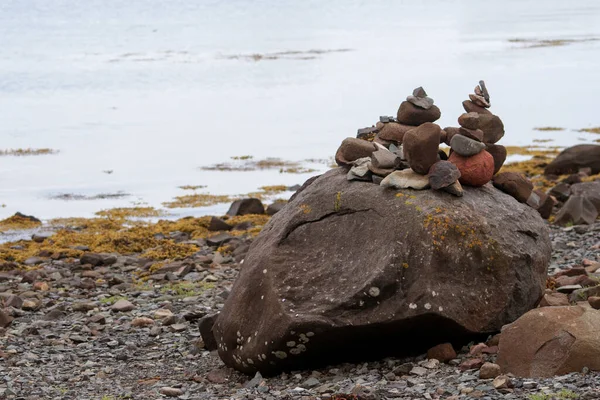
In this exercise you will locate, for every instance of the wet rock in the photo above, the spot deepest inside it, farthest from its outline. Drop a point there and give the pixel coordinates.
(409, 114)
(442, 352)
(421, 147)
(570, 160)
(492, 127)
(245, 207)
(352, 149)
(217, 224)
(499, 154)
(551, 341)
(469, 106)
(514, 184)
(405, 179)
(122, 306)
(277, 312)
(476, 170)
(469, 120)
(465, 146)
(41, 236)
(443, 174)
(577, 210)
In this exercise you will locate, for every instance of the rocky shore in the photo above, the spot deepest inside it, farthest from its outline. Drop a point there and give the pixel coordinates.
(90, 328)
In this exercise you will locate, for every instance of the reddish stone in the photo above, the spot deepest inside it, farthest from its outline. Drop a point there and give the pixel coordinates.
(573, 271)
(514, 184)
(393, 131)
(469, 106)
(470, 121)
(594, 302)
(473, 363)
(476, 170)
(442, 352)
(554, 299)
(421, 147)
(477, 349)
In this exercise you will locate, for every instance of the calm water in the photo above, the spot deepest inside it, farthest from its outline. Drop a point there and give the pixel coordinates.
(150, 90)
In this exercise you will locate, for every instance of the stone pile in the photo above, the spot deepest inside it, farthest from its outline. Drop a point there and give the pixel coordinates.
(403, 152)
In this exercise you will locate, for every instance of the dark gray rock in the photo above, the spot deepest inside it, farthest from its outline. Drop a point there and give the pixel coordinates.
(245, 207)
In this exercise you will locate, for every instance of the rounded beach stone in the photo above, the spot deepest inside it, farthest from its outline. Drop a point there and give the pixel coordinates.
(469, 106)
(352, 149)
(492, 127)
(465, 146)
(443, 174)
(409, 114)
(475, 134)
(514, 184)
(421, 147)
(469, 120)
(476, 170)
(394, 132)
(499, 153)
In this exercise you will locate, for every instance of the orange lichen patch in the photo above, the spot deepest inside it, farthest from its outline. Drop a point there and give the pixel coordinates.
(19, 221)
(442, 226)
(197, 200)
(548, 128)
(590, 130)
(27, 152)
(305, 208)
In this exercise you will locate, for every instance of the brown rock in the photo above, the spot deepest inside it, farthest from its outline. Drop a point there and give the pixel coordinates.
(246, 206)
(341, 270)
(493, 341)
(443, 174)
(218, 376)
(142, 322)
(562, 191)
(352, 149)
(514, 184)
(5, 319)
(41, 286)
(570, 160)
(450, 132)
(472, 363)
(594, 302)
(476, 170)
(442, 352)
(421, 147)
(409, 114)
(492, 127)
(206, 331)
(502, 382)
(394, 132)
(13, 301)
(551, 341)
(475, 134)
(499, 154)
(489, 371)
(217, 224)
(577, 210)
(479, 100)
(547, 204)
(122, 306)
(477, 349)
(469, 120)
(554, 299)
(469, 106)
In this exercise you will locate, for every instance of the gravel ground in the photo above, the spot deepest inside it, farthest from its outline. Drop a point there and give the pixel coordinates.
(97, 333)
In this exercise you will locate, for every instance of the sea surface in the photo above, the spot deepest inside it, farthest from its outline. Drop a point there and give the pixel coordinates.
(137, 96)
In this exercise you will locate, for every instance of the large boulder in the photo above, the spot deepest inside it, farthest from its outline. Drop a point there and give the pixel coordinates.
(570, 160)
(353, 270)
(551, 341)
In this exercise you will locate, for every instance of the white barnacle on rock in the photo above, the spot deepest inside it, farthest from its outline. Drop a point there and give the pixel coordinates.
(244, 364)
(412, 306)
(303, 338)
(264, 271)
(262, 297)
(239, 334)
(250, 361)
(249, 339)
(310, 334)
(427, 306)
(280, 354)
(255, 333)
(301, 347)
(295, 351)
(291, 344)
(374, 291)
(441, 308)
(433, 293)
(361, 303)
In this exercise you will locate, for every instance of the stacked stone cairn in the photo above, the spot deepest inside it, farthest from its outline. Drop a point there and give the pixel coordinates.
(404, 153)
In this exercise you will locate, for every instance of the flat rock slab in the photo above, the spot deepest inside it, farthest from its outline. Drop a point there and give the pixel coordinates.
(352, 270)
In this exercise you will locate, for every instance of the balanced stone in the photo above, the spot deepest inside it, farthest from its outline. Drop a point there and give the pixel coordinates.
(514, 184)
(421, 147)
(422, 102)
(385, 159)
(469, 106)
(409, 114)
(465, 146)
(352, 149)
(499, 153)
(443, 174)
(484, 91)
(405, 179)
(419, 92)
(450, 132)
(394, 132)
(360, 170)
(492, 127)
(479, 100)
(476, 170)
(469, 120)
(475, 134)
